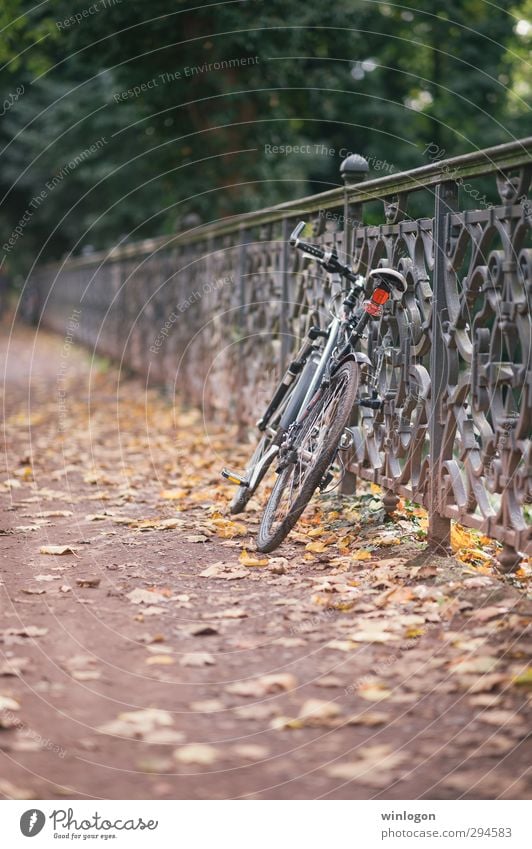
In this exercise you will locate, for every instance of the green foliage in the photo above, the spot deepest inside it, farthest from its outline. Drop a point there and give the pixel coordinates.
(219, 84)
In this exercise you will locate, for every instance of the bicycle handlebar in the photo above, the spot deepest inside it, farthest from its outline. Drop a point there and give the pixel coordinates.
(328, 259)
(389, 278)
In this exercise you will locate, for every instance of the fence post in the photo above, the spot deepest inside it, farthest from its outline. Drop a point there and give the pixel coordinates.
(353, 170)
(241, 325)
(439, 531)
(285, 289)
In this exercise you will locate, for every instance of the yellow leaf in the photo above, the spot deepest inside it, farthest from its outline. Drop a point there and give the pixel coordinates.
(524, 679)
(362, 555)
(316, 547)
(249, 560)
(413, 633)
(227, 529)
(462, 538)
(375, 488)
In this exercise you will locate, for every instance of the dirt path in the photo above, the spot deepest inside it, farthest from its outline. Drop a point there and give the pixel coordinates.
(155, 660)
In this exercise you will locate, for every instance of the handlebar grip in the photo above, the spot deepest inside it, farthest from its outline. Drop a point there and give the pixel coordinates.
(311, 249)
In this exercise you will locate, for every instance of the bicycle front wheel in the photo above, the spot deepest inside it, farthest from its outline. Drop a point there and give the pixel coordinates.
(314, 451)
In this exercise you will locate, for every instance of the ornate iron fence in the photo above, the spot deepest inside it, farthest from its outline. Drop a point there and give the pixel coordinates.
(217, 310)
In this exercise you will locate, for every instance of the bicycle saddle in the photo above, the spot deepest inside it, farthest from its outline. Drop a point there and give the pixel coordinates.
(390, 276)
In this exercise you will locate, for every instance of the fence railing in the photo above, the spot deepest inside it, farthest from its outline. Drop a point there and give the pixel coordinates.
(217, 310)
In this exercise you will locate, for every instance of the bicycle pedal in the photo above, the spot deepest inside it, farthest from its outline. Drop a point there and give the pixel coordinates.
(325, 481)
(233, 477)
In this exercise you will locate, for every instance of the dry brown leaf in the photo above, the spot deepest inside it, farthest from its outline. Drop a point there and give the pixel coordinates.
(369, 719)
(159, 660)
(197, 753)
(484, 614)
(137, 724)
(58, 549)
(140, 596)
(229, 613)
(7, 703)
(374, 692)
(258, 687)
(373, 635)
(207, 706)
(200, 658)
(14, 666)
(373, 766)
(28, 631)
(88, 582)
(318, 712)
(480, 665)
(13, 791)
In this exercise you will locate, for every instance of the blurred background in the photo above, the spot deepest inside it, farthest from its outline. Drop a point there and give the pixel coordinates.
(120, 119)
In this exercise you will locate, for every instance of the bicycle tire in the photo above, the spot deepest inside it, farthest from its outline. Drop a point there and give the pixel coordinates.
(271, 533)
(298, 388)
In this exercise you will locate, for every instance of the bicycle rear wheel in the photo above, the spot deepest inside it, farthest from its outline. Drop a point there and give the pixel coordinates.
(314, 449)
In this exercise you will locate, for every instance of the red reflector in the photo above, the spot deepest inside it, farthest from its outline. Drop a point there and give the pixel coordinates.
(380, 296)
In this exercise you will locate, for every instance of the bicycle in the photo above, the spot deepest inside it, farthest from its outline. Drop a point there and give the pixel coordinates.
(304, 425)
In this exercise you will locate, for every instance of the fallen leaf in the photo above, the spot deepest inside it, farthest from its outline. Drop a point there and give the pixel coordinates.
(500, 717)
(196, 753)
(369, 719)
(201, 658)
(58, 549)
(139, 596)
(249, 560)
(14, 666)
(374, 692)
(86, 674)
(88, 582)
(318, 712)
(159, 660)
(480, 664)
(316, 547)
(524, 679)
(258, 687)
(137, 724)
(484, 614)
(28, 631)
(207, 706)
(7, 703)
(229, 613)
(13, 791)
(373, 766)
(373, 635)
